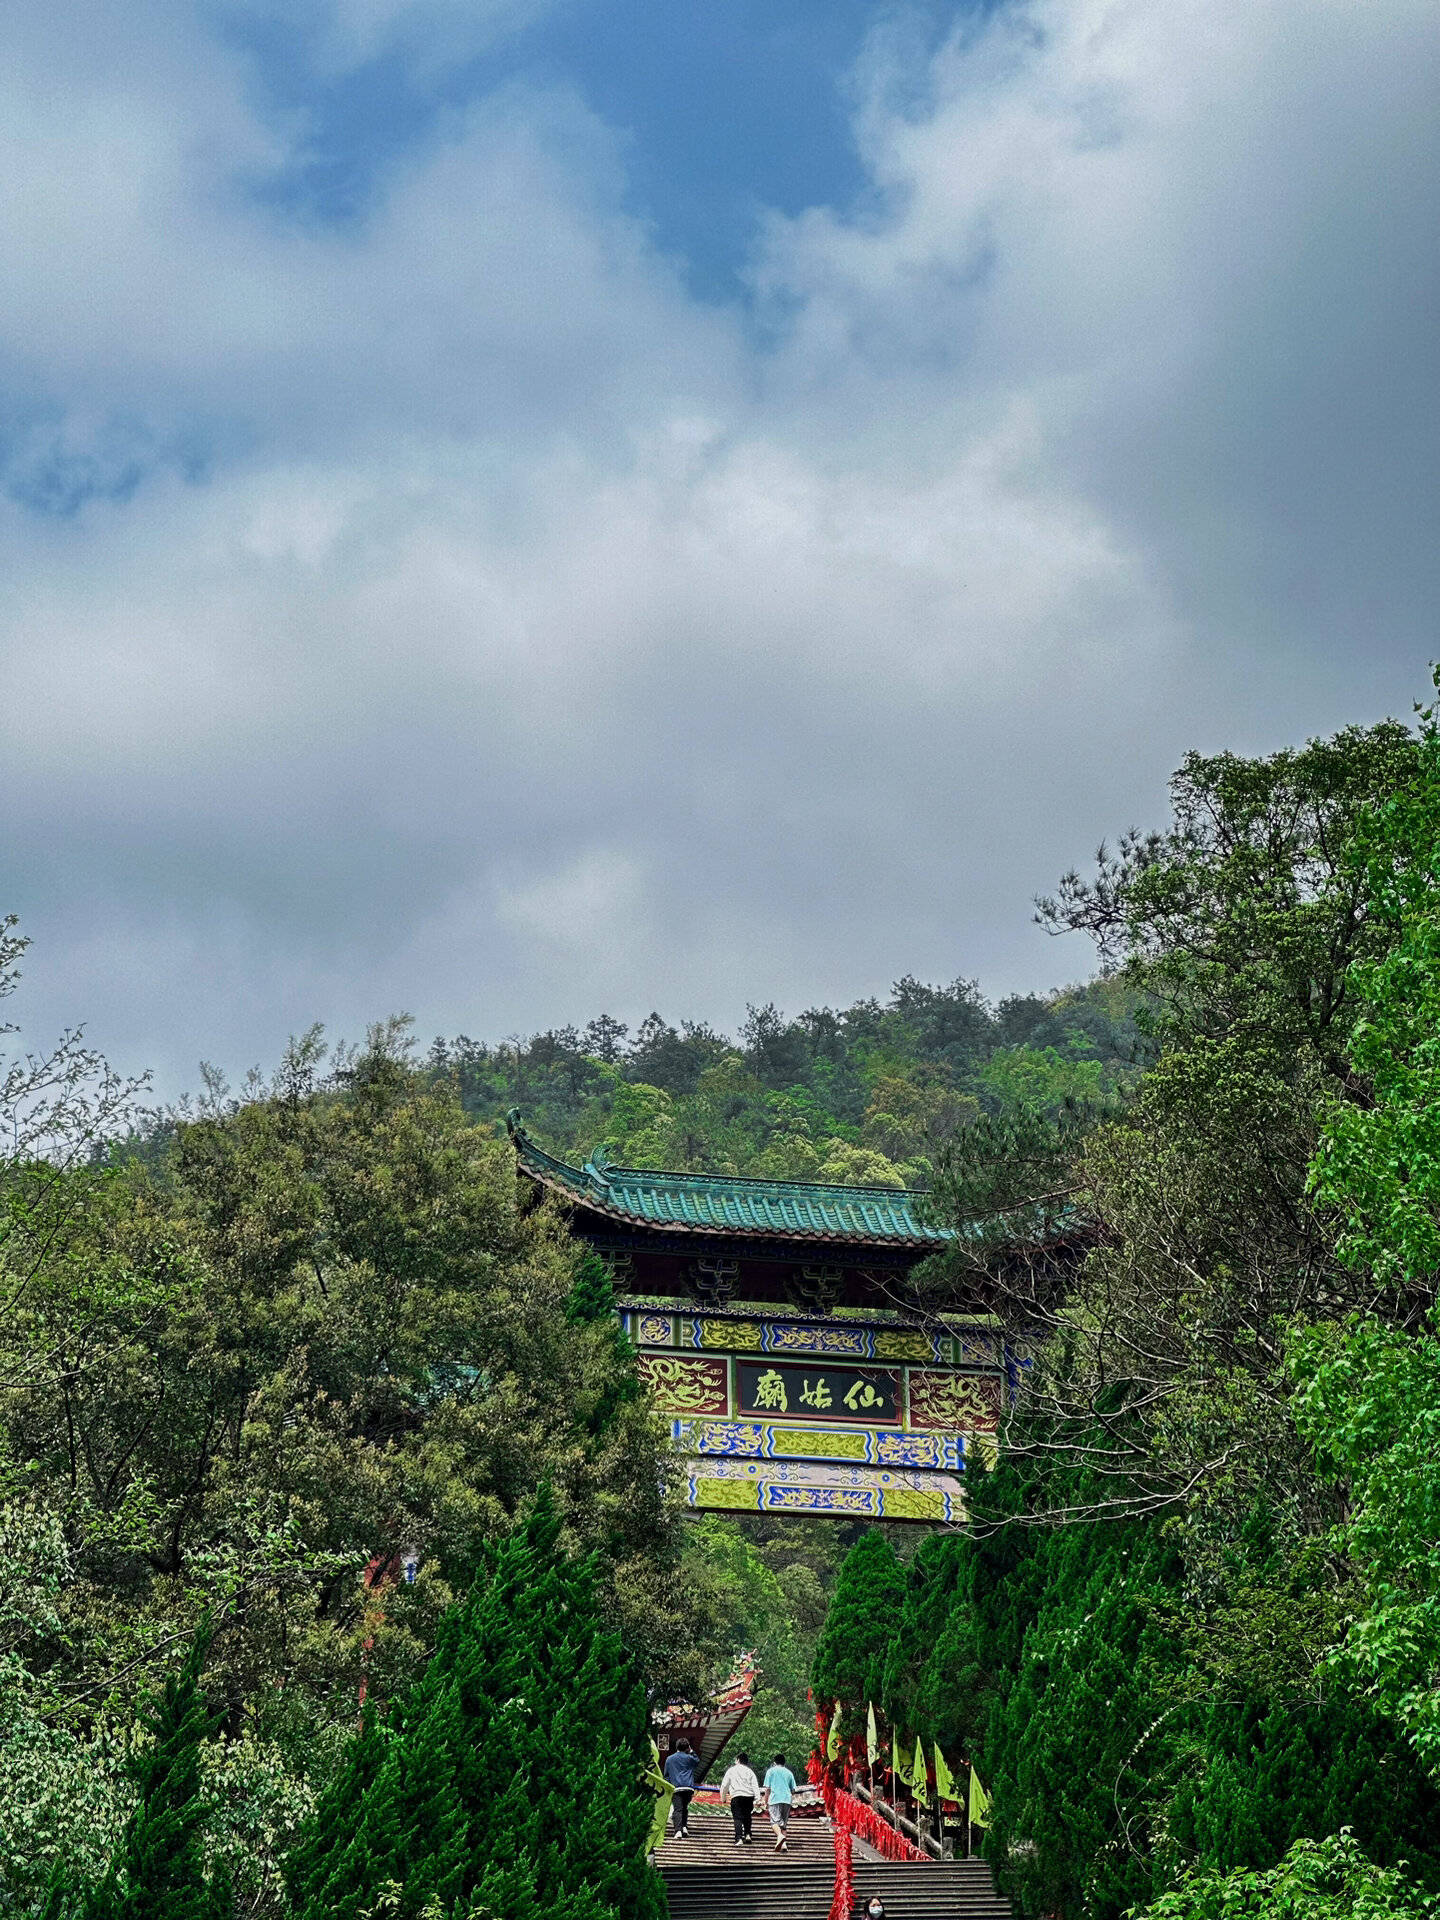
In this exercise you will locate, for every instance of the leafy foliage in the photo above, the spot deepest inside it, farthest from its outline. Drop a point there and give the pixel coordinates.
(320, 1339)
(1370, 1392)
(1317, 1880)
(870, 1094)
(772, 1581)
(159, 1870)
(1165, 1248)
(1165, 1642)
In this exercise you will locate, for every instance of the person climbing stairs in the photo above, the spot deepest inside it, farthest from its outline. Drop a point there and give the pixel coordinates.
(709, 1878)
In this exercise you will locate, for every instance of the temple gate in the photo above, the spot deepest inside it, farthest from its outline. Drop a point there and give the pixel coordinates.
(774, 1329)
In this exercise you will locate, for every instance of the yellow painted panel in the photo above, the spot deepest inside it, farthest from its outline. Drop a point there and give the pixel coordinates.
(911, 1503)
(811, 1443)
(909, 1450)
(735, 1336)
(735, 1494)
(903, 1346)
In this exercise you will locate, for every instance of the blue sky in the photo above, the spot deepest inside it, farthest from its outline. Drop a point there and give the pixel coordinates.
(727, 110)
(514, 508)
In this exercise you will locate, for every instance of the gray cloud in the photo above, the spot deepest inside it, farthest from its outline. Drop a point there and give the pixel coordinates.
(541, 638)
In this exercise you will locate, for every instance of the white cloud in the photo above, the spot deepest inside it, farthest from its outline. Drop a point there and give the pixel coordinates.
(589, 903)
(540, 638)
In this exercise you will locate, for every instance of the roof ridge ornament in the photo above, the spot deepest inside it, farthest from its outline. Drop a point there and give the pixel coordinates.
(599, 1166)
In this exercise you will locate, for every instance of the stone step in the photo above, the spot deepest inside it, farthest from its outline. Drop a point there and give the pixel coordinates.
(931, 1890)
(707, 1877)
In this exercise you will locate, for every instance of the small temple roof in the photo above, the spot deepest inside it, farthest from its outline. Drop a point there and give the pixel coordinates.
(711, 1203)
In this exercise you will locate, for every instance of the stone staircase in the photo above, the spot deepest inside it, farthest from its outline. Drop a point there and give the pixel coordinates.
(930, 1889)
(708, 1877)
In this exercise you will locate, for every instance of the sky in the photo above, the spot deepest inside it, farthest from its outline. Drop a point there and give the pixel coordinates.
(511, 509)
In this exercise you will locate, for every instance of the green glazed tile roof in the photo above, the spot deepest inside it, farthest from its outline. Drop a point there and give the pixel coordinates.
(710, 1203)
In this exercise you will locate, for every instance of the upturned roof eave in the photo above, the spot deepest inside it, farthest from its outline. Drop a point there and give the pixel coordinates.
(584, 1188)
(591, 1202)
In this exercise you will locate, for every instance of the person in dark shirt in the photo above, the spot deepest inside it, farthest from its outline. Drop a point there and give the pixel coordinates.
(683, 1771)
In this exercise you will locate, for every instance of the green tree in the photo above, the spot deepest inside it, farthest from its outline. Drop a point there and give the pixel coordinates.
(59, 1108)
(1317, 1880)
(770, 1580)
(1168, 1248)
(511, 1782)
(862, 1619)
(326, 1339)
(344, 1335)
(910, 1697)
(1131, 1684)
(159, 1870)
(1370, 1393)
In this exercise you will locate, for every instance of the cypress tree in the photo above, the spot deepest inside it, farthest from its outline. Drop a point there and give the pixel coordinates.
(328, 1860)
(863, 1618)
(512, 1780)
(591, 1304)
(1279, 1771)
(158, 1870)
(912, 1698)
(592, 1297)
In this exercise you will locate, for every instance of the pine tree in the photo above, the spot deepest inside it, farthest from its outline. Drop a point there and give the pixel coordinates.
(328, 1860)
(158, 1871)
(864, 1617)
(511, 1782)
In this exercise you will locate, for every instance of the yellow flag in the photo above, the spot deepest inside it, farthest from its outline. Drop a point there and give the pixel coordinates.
(898, 1760)
(664, 1793)
(979, 1802)
(832, 1741)
(944, 1779)
(872, 1739)
(921, 1781)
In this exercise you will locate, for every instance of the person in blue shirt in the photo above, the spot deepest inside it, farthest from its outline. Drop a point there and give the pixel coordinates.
(682, 1770)
(779, 1792)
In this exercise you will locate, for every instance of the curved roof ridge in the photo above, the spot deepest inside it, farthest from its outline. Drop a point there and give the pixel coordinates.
(758, 1182)
(734, 1203)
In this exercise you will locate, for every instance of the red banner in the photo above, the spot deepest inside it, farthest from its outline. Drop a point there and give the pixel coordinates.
(853, 1816)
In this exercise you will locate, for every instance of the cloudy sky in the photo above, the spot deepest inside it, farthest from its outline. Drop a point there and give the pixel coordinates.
(510, 508)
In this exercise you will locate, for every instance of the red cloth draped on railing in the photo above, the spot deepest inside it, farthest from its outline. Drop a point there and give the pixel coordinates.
(844, 1898)
(853, 1816)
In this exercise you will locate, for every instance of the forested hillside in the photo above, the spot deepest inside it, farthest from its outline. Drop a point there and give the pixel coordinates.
(870, 1093)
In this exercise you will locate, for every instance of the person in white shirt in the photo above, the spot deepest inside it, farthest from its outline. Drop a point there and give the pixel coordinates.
(741, 1790)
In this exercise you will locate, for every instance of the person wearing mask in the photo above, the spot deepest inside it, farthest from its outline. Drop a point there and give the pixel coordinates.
(682, 1770)
(741, 1789)
(875, 1908)
(779, 1792)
